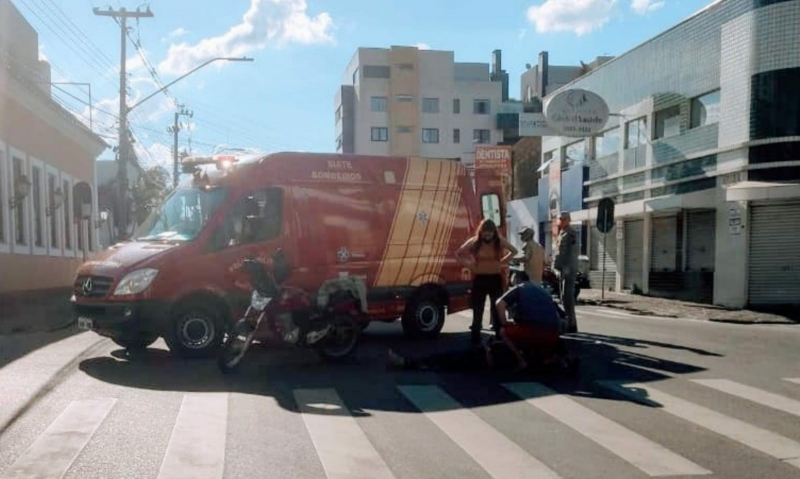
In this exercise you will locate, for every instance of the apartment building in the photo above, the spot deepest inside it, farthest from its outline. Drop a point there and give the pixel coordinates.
(409, 102)
(701, 156)
(48, 199)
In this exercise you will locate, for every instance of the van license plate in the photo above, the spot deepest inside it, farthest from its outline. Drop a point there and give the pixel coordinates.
(84, 323)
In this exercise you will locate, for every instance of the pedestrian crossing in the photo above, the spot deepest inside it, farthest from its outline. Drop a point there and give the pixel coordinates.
(344, 442)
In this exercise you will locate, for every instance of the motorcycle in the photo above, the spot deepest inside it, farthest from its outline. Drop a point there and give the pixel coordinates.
(331, 325)
(551, 283)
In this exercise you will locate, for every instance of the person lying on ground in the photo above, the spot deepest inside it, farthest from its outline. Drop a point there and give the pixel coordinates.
(491, 355)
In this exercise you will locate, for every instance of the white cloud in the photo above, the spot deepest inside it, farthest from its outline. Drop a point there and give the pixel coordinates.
(42, 56)
(522, 33)
(266, 21)
(643, 6)
(156, 154)
(577, 16)
(178, 32)
(422, 46)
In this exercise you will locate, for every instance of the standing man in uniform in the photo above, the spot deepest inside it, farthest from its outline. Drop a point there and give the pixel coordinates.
(566, 265)
(532, 259)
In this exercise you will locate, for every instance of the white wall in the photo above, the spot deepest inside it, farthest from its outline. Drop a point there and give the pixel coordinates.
(365, 118)
(437, 73)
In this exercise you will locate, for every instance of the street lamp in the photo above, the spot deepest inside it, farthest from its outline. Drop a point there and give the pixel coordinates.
(226, 59)
(124, 142)
(55, 202)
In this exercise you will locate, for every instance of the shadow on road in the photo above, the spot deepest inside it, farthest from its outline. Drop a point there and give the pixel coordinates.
(364, 383)
(15, 346)
(641, 343)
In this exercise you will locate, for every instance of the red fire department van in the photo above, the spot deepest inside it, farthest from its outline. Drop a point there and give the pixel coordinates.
(392, 222)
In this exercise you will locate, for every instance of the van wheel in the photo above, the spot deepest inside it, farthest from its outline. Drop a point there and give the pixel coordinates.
(135, 342)
(196, 331)
(424, 317)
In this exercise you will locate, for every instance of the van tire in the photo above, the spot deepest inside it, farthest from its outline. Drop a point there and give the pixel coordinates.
(424, 317)
(135, 343)
(196, 330)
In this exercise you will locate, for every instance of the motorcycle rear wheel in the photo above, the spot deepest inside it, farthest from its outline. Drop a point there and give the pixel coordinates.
(342, 340)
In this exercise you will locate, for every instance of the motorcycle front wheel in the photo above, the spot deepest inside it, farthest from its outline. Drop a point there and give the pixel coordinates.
(342, 340)
(234, 346)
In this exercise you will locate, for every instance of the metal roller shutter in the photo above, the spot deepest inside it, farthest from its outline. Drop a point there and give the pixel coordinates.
(634, 254)
(700, 240)
(774, 266)
(663, 244)
(598, 253)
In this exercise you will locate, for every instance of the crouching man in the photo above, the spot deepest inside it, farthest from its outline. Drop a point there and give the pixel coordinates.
(531, 338)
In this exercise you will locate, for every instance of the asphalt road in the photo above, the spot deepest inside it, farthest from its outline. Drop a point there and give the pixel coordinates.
(655, 397)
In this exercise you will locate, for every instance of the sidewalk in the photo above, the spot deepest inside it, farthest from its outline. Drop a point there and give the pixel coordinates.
(670, 308)
(41, 311)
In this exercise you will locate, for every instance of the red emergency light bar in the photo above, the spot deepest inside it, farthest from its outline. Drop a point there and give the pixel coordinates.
(192, 164)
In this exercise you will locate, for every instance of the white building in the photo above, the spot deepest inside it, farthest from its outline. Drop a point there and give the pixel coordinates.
(402, 101)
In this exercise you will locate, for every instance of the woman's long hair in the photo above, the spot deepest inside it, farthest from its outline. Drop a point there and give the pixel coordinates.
(486, 225)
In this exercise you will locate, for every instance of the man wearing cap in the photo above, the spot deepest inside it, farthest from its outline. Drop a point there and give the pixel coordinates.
(566, 264)
(532, 255)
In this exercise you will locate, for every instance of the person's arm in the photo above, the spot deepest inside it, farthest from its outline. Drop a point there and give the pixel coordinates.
(512, 251)
(521, 363)
(462, 253)
(507, 300)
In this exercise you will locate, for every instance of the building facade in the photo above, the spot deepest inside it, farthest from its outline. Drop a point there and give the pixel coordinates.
(48, 200)
(702, 157)
(402, 101)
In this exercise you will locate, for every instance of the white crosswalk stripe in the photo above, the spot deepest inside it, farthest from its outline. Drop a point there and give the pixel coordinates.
(342, 446)
(651, 458)
(196, 449)
(198, 440)
(56, 449)
(765, 398)
(792, 380)
(496, 454)
(767, 442)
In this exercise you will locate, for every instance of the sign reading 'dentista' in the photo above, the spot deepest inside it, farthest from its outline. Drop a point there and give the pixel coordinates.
(576, 112)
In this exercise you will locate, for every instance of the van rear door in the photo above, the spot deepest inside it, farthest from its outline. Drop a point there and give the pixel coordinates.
(491, 192)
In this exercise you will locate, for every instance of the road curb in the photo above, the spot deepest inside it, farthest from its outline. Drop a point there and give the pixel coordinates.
(54, 380)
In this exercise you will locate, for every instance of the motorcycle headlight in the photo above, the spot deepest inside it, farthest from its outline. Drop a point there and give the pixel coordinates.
(136, 281)
(259, 302)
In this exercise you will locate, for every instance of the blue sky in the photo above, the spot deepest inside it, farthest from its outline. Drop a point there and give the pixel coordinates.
(284, 100)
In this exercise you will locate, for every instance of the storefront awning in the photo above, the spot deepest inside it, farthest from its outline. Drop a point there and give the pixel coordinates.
(759, 190)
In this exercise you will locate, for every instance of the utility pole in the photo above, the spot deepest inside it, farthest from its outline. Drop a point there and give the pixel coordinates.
(175, 129)
(124, 147)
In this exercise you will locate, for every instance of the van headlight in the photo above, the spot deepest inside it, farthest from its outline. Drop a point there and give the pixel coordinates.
(136, 281)
(258, 302)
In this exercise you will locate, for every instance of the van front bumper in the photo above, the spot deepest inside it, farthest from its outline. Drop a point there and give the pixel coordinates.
(115, 319)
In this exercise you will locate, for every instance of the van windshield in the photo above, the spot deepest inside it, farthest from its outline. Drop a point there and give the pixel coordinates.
(182, 215)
